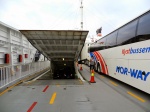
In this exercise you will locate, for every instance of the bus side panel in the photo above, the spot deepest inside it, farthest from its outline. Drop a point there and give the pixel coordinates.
(111, 64)
(140, 79)
(127, 66)
(112, 68)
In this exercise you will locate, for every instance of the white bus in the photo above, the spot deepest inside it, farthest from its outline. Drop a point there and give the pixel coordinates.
(124, 54)
(84, 54)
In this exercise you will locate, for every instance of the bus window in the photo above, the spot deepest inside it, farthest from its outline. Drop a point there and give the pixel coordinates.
(111, 40)
(99, 45)
(142, 37)
(144, 25)
(127, 33)
(143, 32)
(102, 42)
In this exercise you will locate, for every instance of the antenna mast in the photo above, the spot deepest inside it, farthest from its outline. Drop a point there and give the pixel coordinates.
(81, 7)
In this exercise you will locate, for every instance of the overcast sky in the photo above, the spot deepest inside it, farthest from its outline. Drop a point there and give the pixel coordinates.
(65, 14)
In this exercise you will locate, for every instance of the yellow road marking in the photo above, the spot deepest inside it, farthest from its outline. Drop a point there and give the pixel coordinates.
(135, 96)
(102, 76)
(10, 88)
(18, 83)
(80, 81)
(53, 98)
(57, 85)
(113, 83)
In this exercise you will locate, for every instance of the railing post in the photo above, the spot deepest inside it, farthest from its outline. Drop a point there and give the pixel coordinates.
(0, 77)
(29, 69)
(20, 71)
(7, 74)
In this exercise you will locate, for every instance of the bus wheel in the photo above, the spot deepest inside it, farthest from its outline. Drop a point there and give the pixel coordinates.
(98, 69)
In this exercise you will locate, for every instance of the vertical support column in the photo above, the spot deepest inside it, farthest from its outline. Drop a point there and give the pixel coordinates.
(22, 53)
(28, 51)
(22, 48)
(10, 46)
(29, 59)
(10, 51)
(9, 74)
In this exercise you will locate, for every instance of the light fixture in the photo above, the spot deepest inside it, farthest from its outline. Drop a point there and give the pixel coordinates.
(63, 59)
(64, 64)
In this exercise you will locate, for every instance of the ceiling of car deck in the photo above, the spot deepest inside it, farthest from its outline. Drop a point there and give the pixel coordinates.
(57, 44)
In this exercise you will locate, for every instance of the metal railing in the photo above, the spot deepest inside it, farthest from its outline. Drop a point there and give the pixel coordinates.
(9, 74)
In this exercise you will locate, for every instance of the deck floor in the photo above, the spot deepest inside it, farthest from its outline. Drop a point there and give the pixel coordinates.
(47, 95)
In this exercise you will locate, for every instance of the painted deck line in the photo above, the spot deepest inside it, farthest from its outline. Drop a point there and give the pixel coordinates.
(23, 80)
(32, 106)
(53, 98)
(113, 83)
(102, 76)
(45, 88)
(135, 96)
(10, 88)
(14, 85)
(80, 81)
(57, 85)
